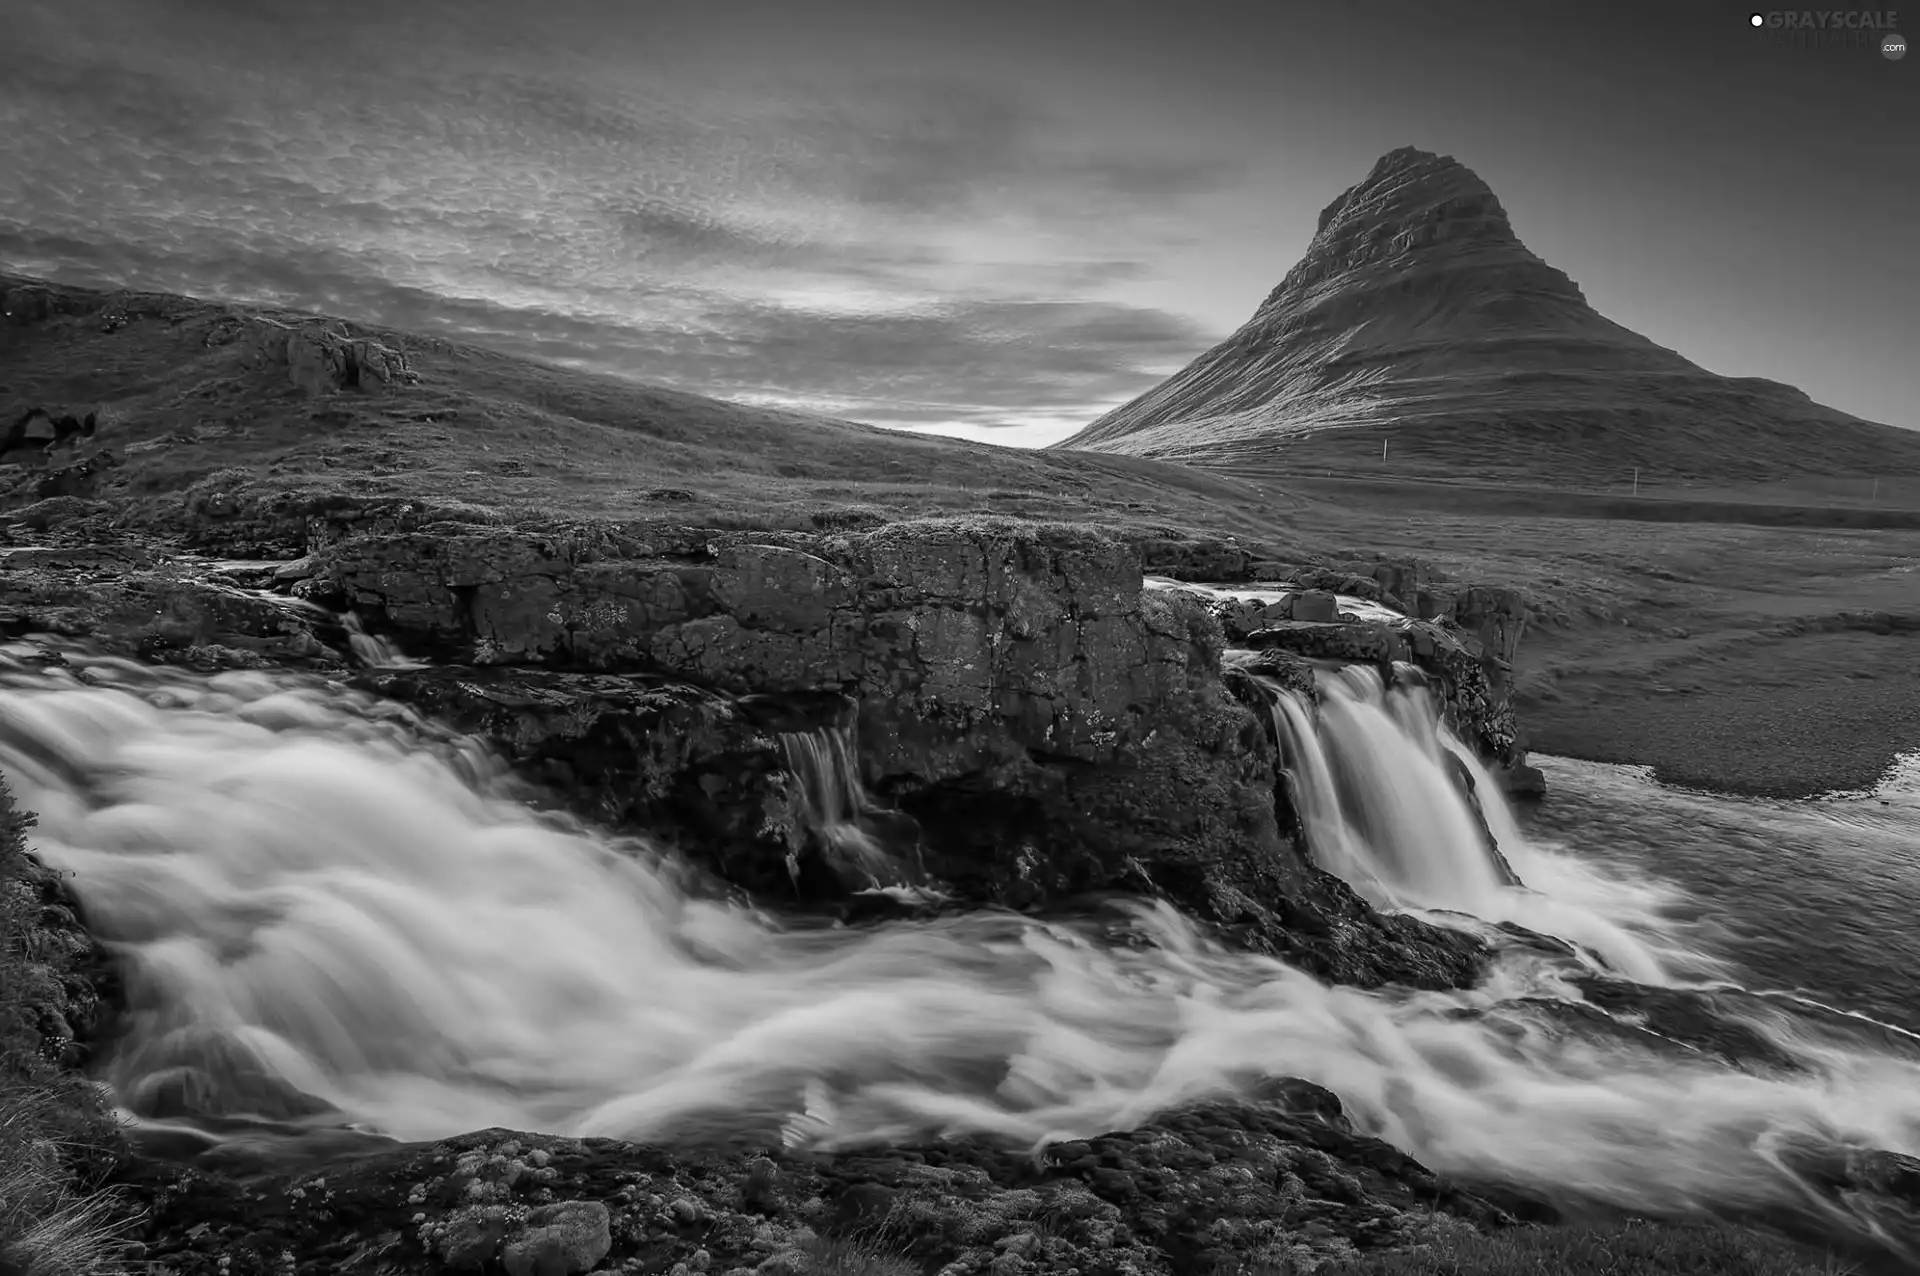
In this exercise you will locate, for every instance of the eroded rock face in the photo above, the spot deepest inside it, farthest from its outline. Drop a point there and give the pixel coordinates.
(935, 627)
(1050, 727)
(1032, 725)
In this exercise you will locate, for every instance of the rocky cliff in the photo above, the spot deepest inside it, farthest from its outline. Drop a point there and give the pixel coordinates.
(1049, 727)
(1033, 724)
(1417, 307)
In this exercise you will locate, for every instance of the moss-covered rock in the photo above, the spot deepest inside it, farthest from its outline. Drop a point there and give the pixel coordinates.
(1282, 1177)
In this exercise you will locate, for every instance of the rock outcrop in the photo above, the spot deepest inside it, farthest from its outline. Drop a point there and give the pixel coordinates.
(1416, 307)
(1473, 708)
(1053, 728)
(320, 356)
(1282, 1180)
(1035, 725)
(1462, 637)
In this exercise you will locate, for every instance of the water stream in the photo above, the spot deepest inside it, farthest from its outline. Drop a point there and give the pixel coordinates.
(331, 912)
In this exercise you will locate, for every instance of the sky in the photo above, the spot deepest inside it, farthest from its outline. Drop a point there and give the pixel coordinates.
(992, 219)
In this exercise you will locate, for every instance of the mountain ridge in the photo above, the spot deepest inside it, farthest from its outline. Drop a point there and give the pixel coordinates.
(1417, 310)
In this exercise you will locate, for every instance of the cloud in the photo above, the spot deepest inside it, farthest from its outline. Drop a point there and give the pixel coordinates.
(934, 250)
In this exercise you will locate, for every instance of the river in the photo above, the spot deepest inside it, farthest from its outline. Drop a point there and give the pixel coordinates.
(332, 912)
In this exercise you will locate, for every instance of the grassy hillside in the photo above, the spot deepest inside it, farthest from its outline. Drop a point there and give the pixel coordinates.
(180, 398)
(512, 440)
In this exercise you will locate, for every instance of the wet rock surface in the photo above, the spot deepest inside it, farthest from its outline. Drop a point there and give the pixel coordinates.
(132, 597)
(1037, 727)
(684, 765)
(1284, 1178)
(1454, 663)
(1018, 676)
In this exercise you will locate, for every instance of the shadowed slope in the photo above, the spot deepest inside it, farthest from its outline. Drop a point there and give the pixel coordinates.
(1417, 308)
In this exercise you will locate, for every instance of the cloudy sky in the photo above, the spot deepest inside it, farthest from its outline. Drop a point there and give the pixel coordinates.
(995, 218)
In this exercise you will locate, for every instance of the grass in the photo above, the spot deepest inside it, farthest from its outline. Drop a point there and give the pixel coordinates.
(54, 1136)
(1620, 1249)
(186, 406)
(1612, 1249)
(833, 1256)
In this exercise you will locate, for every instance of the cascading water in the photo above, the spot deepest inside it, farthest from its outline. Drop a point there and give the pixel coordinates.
(833, 802)
(329, 912)
(1372, 771)
(373, 651)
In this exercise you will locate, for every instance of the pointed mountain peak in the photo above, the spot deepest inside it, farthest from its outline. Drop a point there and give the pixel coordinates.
(1411, 204)
(1417, 308)
(1408, 186)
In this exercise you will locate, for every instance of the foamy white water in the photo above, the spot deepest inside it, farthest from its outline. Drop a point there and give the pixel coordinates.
(316, 896)
(1352, 604)
(1373, 776)
(373, 651)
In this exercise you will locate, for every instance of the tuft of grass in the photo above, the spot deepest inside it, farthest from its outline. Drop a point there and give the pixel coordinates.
(833, 1256)
(1598, 1249)
(54, 1134)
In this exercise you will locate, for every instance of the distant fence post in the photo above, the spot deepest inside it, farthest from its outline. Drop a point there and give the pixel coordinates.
(1383, 451)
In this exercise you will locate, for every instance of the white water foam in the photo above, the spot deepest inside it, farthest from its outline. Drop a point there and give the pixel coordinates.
(833, 806)
(373, 651)
(1352, 604)
(312, 894)
(1372, 766)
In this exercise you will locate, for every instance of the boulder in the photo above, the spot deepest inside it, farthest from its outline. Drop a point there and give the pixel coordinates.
(1239, 617)
(1317, 606)
(1418, 588)
(323, 357)
(561, 1239)
(1497, 618)
(1339, 582)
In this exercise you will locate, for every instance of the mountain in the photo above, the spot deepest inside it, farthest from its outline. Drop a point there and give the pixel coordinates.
(1418, 316)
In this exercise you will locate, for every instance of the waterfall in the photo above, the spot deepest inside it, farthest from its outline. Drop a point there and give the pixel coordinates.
(1392, 802)
(1372, 773)
(325, 917)
(834, 807)
(373, 651)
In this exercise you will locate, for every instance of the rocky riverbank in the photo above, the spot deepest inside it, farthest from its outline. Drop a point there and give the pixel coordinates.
(1036, 727)
(1017, 673)
(1214, 1187)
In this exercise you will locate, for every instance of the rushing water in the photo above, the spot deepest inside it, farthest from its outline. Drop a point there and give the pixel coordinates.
(371, 650)
(332, 912)
(833, 808)
(1374, 776)
(1815, 898)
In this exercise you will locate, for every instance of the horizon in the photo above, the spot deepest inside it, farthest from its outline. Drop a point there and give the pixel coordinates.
(985, 238)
